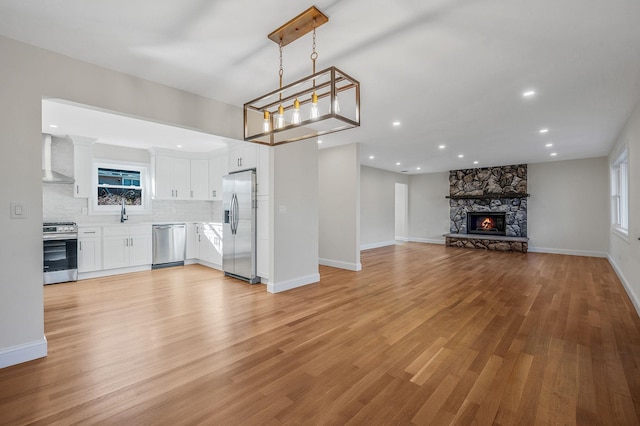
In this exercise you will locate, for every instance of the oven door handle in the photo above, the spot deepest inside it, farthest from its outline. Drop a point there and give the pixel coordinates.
(58, 237)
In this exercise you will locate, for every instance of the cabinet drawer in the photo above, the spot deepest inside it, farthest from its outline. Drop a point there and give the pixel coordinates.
(115, 231)
(90, 232)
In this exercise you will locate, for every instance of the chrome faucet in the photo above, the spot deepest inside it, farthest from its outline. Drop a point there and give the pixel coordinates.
(123, 213)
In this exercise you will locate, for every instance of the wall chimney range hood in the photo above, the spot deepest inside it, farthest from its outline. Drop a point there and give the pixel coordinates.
(48, 175)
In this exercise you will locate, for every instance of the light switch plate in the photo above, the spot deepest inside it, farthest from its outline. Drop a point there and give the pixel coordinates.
(18, 210)
(283, 209)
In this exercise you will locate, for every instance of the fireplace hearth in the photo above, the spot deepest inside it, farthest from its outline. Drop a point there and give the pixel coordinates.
(486, 223)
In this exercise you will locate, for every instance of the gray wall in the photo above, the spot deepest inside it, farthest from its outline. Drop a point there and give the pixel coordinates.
(428, 207)
(377, 206)
(624, 254)
(27, 76)
(569, 207)
(339, 197)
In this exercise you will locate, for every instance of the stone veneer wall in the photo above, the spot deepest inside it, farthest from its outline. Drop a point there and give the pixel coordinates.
(498, 189)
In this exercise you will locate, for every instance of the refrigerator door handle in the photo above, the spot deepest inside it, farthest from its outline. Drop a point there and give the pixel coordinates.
(236, 213)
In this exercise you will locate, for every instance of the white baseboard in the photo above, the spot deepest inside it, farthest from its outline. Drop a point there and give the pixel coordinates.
(109, 272)
(406, 239)
(209, 264)
(274, 287)
(377, 245)
(427, 240)
(22, 353)
(634, 298)
(568, 252)
(341, 265)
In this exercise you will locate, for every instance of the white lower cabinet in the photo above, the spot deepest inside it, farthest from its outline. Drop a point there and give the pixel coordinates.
(125, 246)
(192, 241)
(89, 249)
(210, 242)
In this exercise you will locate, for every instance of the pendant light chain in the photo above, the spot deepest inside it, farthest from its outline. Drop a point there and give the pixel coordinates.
(314, 54)
(281, 72)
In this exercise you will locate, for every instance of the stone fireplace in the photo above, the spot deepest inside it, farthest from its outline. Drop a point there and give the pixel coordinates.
(488, 208)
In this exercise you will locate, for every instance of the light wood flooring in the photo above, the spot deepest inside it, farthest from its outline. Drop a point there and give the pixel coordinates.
(423, 335)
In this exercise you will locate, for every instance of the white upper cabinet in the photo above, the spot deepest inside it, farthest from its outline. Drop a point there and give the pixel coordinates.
(179, 178)
(217, 170)
(199, 180)
(82, 158)
(242, 157)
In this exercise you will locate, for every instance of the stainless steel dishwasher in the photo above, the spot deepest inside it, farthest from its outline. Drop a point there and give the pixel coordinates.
(169, 245)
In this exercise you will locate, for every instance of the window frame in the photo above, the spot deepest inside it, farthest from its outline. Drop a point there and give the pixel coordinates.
(620, 194)
(145, 187)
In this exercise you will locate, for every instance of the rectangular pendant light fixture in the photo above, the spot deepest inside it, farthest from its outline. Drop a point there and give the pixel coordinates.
(324, 102)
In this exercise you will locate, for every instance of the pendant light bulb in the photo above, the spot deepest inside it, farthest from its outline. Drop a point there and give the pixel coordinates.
(336, 105)
(280, 118)
(266, 125)
(295, 117)
(314, 106)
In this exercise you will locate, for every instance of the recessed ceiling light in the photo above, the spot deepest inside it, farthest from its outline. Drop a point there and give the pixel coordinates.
(396, 123)
(544, 130)
(460, 155)
(475, 162)
(549, 145)
(553, 154)
(179, 146)
(398, 163)
(442, 146)
(528, 93)
(417, 168)
(371, 157)
(53, 126)
(319, 141)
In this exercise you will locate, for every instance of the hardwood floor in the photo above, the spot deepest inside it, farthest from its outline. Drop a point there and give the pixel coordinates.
(423, 335)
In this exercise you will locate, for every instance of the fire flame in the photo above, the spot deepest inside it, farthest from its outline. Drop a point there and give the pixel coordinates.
(487, 223)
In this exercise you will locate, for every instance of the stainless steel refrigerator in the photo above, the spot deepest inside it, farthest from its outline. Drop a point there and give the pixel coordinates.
(239, 229)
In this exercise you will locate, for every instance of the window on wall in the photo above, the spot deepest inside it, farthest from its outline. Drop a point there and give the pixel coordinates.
(118, 183)
(620, 194)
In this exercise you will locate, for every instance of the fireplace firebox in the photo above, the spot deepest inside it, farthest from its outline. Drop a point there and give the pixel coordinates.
(486, 223)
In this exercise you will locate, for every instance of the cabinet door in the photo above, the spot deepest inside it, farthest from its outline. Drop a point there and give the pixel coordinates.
(182, 178)
(217, 169)
(139, 250)
(164, 178)
(192, 240)
(199, 180)
(262, 237)
(82, 171)
(115, 252)
(89, 252)
(242, 157)
(205, 242)
(262, 173)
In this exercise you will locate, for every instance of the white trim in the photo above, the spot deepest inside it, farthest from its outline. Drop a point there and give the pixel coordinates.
(209, 264)
(109, 272)
(405, 239)
(586, 253)
(622, 233)
(427, 240)
(634, 298)
(22, 353)
(290, 284)
(341, 265)
(377, 245)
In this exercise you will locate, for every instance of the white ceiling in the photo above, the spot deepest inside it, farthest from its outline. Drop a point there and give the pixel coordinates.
(452, 72)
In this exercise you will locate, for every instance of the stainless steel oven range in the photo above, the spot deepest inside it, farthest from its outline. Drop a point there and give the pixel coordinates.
(60, 243)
